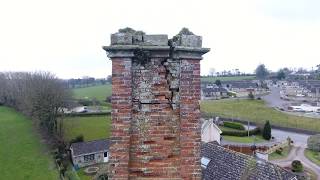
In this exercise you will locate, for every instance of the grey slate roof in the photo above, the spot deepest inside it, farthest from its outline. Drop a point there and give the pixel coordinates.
(226, 164)
(90, 147)
(216, 89)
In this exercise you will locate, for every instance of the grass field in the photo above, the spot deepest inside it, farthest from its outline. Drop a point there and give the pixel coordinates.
(99, 92)
(313, 156)
(227, 78)
(257, 111)
(92, 127)
(284, 154)
(22, 156)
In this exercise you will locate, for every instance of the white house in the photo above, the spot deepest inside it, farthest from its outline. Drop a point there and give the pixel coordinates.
(210, 132)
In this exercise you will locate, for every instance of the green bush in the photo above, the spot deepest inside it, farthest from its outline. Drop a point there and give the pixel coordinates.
(85, 102)
(266, 133)
(233, 125)
(79, 138)
(241, 133)
(279, 151)
(296, 166)
(251, 96)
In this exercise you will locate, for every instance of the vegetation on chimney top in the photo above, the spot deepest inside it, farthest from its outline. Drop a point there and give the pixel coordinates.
(129, 30)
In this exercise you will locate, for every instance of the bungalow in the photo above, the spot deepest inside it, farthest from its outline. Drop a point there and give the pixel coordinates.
(90, 153)
(220, 163)
(217, 162)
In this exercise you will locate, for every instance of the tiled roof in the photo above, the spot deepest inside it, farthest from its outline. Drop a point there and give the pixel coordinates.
(89, 147)
(226, 164)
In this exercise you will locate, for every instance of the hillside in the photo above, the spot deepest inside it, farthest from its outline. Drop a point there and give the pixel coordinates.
(257, 111)
(22, 156)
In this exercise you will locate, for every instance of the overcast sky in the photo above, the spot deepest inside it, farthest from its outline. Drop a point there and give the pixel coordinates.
(66, 36)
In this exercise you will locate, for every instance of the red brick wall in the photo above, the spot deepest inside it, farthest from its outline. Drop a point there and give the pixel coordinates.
(190, 136)
(121, 117)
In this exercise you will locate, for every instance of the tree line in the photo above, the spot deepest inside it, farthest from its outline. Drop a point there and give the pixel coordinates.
(38, 95)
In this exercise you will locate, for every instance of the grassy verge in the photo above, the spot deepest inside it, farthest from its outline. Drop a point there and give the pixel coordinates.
(92, 128)
(82, 175)
(250, 139)
(313, 156)
(283, 155)
(22, 155)
(257, 111)
(227, 78)
(99, 92)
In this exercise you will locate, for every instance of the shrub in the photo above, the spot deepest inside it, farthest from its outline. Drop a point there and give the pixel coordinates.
(296, 166)
(85, 102)
(266, 133)
(251, 96)
(79, 138)
(108, 99)
(233, 125)
(279, 151)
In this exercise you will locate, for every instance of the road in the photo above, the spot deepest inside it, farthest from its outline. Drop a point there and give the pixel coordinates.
(297, 153)
(299, 139)
(273, 98)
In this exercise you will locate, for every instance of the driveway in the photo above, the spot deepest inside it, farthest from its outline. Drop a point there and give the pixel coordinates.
(297, 153)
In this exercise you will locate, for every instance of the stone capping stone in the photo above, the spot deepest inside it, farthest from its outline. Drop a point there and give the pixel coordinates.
(128, 50)
(121, 39)
(155, 40)
(190, 41)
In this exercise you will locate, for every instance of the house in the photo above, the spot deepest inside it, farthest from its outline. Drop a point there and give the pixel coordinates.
(217, 162)
(220, 163)
(214, 92)
(210, 132)
(90, 152)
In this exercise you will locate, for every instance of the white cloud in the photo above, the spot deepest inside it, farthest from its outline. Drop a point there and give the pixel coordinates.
(65, 36)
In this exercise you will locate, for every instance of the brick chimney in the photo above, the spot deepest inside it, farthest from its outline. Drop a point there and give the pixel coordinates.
(155, 106)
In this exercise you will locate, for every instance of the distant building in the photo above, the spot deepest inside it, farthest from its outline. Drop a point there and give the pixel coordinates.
(90, 153)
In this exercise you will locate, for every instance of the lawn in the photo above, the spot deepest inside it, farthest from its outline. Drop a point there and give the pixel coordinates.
(99, 92)
(284, 154)
(227, 78)
(257, 111)
(246, 139)
(22, 156)
(313, 156)
(92, 127)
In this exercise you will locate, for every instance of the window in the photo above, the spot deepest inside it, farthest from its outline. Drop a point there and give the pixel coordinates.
(89, 157)
(105, 154)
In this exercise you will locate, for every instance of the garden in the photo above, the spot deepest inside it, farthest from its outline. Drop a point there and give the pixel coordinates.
(236, 132)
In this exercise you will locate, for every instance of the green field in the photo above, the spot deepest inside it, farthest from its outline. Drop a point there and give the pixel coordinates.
(227, 78)
(257, 111)
(92, 127)
(22, 156)
(99, 92)
(313, 156)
